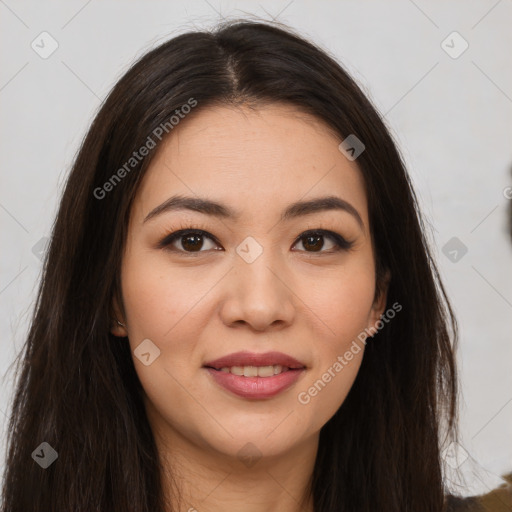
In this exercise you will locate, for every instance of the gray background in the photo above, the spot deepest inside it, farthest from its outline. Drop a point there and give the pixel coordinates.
(450, 116)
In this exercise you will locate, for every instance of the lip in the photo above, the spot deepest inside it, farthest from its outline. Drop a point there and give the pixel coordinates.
(246, 358)
(256, 387)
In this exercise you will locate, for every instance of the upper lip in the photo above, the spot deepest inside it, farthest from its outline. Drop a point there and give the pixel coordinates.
(253, 359)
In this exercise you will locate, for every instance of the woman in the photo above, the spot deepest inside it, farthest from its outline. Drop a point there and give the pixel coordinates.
(239, 308)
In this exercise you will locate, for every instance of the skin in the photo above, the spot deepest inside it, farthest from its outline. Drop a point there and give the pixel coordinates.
(196, 308)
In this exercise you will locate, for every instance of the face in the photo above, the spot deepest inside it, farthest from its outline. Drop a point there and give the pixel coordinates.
(253, 274)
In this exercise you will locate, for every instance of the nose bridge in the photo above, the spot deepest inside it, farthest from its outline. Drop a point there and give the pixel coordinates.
(257, 292)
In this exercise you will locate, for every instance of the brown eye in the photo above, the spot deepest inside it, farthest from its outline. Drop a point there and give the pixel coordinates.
(188, 241)
(192, 242)
(313, 241)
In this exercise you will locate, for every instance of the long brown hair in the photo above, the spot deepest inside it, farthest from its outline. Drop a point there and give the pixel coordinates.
(77, 388)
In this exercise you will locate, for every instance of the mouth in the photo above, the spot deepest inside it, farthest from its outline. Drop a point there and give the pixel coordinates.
(255, 371)
(255, 376)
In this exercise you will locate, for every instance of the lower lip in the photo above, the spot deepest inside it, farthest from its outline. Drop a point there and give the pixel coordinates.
(256, 387)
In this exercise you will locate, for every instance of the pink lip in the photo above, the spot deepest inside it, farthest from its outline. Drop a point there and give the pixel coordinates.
(253, 359)
(255, 387)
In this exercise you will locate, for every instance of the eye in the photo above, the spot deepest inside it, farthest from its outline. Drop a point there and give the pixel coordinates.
(188, 241)
(313, 241)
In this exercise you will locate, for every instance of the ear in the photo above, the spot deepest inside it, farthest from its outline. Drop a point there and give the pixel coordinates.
(379, 303)
(116, 317)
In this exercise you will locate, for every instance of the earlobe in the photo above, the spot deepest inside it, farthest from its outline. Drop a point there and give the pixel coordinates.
(118, 329)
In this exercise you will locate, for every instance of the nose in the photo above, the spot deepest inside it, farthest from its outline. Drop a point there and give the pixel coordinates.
(256, 294)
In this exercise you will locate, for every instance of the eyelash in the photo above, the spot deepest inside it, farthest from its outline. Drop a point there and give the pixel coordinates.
(341, 244)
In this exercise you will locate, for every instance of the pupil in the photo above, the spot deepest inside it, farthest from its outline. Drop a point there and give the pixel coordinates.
(310, 241)
(196, 243)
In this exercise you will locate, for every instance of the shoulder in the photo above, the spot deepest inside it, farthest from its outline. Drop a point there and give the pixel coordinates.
(498, 500)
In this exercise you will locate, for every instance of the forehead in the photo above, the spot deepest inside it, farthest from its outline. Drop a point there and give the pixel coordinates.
(252, 158)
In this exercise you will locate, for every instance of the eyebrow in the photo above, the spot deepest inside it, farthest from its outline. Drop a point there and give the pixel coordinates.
(294, 210)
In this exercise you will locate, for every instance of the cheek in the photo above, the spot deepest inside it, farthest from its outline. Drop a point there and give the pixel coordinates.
(159, 299)
(153, 308)
(343, 303)
(164, 305)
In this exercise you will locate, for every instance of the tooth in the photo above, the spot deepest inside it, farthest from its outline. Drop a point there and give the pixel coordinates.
(254, 371)
(250, 371)
(237, 370)
(265, 371)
